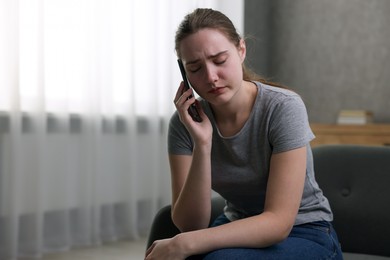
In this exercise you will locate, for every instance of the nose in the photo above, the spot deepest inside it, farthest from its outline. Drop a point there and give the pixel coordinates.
(211, 74)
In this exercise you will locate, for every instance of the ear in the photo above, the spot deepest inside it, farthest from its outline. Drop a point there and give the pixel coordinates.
(242, 50)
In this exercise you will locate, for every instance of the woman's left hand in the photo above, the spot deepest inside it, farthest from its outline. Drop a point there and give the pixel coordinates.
(166, 249)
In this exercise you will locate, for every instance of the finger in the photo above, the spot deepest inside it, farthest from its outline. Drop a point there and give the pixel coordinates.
(150, 249)
(179, 92)
(200, 110)
(199, 107)
(189, 101)
(186, 99)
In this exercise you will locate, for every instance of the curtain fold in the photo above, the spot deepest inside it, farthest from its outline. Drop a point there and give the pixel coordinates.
(86, 95)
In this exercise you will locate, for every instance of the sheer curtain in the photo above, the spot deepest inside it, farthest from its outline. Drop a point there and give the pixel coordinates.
(86, 94)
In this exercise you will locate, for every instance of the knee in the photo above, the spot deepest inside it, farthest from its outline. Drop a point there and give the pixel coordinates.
(217, 254)
(232, 253)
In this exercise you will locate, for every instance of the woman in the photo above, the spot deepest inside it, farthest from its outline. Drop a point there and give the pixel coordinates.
(252, 147)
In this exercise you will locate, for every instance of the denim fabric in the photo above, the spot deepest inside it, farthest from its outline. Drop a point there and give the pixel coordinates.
(316, 240)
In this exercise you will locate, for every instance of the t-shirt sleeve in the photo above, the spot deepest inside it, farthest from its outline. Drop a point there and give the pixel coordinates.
(179, 139)
(289, 125)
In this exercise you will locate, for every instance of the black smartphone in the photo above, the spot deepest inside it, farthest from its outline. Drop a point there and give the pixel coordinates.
(192, 110)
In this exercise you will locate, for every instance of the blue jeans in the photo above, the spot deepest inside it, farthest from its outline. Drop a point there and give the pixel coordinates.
(316, 240)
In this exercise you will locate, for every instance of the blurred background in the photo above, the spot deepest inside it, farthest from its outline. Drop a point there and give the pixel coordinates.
(86, 91)
(335, 54)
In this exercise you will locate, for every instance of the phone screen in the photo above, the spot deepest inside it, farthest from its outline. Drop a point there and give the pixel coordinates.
(192, 110)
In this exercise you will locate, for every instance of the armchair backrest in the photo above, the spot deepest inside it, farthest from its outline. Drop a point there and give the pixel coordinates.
(163, 226)
(356, 180)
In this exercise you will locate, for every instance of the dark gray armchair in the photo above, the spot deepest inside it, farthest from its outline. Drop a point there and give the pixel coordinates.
(163, 227)
(356, 180)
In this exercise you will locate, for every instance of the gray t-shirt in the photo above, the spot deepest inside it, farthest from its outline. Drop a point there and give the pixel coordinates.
(240, 163)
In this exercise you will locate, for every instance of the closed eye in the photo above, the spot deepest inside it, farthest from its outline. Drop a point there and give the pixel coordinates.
(219, 62)
(194, 69)
(221, 58)
(218, 59)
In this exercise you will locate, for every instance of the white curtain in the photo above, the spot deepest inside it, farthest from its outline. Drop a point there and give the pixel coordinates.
(86, 90)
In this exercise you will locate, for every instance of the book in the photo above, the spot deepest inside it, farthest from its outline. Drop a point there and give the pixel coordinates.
(355, 117)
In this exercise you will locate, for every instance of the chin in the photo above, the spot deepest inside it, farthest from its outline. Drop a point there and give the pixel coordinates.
(219, 101)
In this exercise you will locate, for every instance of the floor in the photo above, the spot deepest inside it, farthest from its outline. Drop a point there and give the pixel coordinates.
(134, 250)
(129, 250)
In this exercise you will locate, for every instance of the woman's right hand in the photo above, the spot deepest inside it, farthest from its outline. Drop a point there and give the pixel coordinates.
(201, 132)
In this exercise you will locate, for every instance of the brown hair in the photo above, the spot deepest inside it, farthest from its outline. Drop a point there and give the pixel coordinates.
(203, 18)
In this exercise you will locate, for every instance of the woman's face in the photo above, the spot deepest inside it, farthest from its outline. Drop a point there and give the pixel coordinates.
(213, 65)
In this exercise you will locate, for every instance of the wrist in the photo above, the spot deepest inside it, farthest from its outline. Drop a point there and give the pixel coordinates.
(204, 147)
(185, 244)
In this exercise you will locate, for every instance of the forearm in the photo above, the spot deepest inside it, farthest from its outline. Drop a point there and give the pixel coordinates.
(253, 232)
(192, 208)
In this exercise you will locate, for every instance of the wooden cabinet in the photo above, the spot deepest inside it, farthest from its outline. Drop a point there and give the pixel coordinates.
(369, 134)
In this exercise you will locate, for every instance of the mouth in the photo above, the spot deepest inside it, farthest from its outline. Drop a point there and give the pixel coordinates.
(216, 90)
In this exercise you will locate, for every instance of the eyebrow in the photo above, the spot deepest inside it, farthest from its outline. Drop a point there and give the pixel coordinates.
(208, 57)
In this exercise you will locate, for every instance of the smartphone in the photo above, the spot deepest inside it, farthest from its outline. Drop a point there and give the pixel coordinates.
(192, 110)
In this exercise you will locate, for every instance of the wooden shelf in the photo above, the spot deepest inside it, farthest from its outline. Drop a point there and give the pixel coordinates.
(369, 134)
